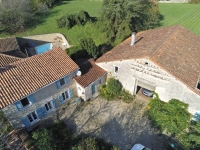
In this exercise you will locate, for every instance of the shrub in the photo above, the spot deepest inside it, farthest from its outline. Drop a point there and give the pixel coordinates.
(114, 86)
(93, 144)
(43, 140)
(68, 21)
(126, 96)
(171, 117)
(105, 94)
(194, 1)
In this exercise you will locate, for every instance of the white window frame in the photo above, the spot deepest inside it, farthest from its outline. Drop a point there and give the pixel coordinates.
(66, 99)
(34, 120)
(51, 102)
(117, 69)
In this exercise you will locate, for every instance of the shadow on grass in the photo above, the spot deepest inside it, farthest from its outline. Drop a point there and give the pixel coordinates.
(40, 19)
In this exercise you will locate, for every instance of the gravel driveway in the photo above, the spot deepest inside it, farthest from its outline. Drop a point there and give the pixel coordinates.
(119, 123)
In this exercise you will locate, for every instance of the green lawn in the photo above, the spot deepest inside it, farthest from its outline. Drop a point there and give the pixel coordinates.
(187, 15)
(184, 14)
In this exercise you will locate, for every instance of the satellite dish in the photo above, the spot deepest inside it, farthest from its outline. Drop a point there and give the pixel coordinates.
(78, 73)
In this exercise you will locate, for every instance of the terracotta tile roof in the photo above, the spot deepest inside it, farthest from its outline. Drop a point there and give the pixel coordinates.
(90, 72)
(25, 76)
(6, 59)
(175, 49)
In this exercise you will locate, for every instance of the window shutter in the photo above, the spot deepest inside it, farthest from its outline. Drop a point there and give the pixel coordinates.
(31, 99)
(41, 112)
(26, 122)
(66, 79)
(70, 93)
(60, 99)
(54, 103)
(58, 84)
(18, 105)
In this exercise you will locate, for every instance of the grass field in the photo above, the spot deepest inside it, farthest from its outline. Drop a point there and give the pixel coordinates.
(184, 14)
(187, 15)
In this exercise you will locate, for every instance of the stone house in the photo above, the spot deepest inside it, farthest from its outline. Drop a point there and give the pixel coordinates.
(33, 87)
(92, 76)
(164, 60)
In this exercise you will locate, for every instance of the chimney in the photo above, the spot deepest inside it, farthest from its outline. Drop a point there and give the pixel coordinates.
(133, 39)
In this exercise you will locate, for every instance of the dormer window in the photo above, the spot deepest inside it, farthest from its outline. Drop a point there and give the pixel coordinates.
(24, 102)
(62, 81)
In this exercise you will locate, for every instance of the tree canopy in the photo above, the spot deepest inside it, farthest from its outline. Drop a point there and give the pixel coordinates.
(14, 14)
(121, 17)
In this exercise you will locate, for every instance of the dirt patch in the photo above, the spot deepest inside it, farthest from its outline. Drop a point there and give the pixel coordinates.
(117, 122)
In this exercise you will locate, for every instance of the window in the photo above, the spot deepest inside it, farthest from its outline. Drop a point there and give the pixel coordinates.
(99, 81)
(25, 102)
(146, 63)
(48, 106)
(32, 117)
(65, 95)
(62, 81)
(116, 69)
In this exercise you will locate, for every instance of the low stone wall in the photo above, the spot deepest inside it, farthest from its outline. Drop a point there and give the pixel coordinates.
(57, 39)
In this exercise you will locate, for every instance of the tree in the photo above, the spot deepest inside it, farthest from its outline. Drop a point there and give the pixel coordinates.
(43, 140)
(89, 45)
(14, 14)
(172, 117)
(120, 17)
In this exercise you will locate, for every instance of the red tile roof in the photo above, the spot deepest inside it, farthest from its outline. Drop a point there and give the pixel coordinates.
(6, 59)
(175, 49)
(25, 76)
(90, 72)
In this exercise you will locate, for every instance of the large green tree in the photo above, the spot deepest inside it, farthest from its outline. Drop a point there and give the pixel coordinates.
(120, 17)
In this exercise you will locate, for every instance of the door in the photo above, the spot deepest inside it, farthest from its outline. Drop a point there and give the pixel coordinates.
(93, 89)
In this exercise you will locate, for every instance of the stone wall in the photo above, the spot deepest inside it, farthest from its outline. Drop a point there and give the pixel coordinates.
(42, 96)
(131, 72)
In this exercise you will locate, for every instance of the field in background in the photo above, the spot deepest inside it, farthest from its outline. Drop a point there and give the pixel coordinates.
(185, 14)
(173, 14)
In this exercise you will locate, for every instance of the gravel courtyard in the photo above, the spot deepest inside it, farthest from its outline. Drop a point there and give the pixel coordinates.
(119, 123)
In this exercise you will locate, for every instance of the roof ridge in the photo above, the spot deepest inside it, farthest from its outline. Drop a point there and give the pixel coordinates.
(11, 56)
(165, 39)
(34, 57)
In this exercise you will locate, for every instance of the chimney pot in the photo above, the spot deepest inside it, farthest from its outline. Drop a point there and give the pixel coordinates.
(133, 39)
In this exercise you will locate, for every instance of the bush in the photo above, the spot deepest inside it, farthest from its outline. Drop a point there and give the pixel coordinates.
(172, 117)
(68, 21)
(93, 144)
(111, 90)
(126, 96)
(54, 137)
(105, 94)
(194, 1)
(114, 86)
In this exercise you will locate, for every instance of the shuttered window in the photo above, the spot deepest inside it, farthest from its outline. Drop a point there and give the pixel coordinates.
(65, 96)
(25, 102)
(62, 82)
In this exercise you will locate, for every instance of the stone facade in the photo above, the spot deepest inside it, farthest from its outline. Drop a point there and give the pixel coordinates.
(144, 73)
(42, 96)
